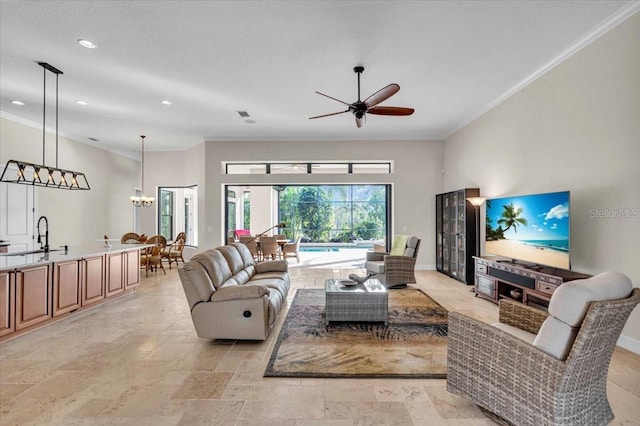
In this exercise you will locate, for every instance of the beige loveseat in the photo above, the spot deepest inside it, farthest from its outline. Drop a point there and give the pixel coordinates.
(232, 297)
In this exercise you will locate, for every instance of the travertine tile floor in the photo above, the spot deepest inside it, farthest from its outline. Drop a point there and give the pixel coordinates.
(137, 361)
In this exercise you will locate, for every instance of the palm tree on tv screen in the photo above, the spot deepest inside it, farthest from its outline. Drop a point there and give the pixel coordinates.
(510, 218)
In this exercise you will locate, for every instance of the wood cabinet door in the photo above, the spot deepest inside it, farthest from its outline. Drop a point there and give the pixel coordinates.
(115, 274)
(133, 269)
(7, 303)
(92, 280)
(33, 296)
(66, 287)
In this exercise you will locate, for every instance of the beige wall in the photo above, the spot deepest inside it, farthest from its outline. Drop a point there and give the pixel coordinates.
(76, 217)
(576, 128)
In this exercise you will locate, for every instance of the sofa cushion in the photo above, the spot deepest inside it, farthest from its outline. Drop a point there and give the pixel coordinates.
(276, 298)
(375, 266)
(412, 244)
(399, 245)
(233, 258)
(570, 301)
(280, 284)
(196, 282)
(515, 331)
(215, 264)
(556, 338)
(568, 306)
(239, 292)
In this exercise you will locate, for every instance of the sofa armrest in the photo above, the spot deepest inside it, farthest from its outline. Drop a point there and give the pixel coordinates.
(272, 266)
(375, 256)
(522, 316)
(239, 292)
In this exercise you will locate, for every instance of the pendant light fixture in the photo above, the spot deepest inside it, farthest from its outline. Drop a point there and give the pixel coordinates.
(28, 173)
(142, 200)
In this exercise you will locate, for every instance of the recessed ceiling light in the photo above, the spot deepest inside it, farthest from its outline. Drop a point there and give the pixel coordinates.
(165, 102)
(87, 43)
(79, 102)
(17, 102)
(250, 121)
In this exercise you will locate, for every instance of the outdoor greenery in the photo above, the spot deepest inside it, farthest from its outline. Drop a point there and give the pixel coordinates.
(334, 213)
(166, 214)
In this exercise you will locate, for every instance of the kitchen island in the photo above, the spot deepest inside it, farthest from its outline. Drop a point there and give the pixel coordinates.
(37, 288)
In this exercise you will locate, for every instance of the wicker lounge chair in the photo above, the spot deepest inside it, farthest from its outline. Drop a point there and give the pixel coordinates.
(396, 268)
(522, 382)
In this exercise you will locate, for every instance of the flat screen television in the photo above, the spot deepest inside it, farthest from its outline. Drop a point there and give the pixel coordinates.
(530, 229)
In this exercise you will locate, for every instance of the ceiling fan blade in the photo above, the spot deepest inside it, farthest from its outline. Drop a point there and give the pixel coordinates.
(389, 110)
(382, 95)
(359, 121)
(331, 97)
(328, 115)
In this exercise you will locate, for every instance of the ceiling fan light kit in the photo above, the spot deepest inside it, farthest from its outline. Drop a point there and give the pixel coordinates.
(360, 109)
(29, 173)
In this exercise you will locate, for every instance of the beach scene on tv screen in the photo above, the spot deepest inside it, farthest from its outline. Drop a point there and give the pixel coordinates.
(532, 228)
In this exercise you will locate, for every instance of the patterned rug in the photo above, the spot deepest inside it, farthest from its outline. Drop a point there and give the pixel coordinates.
(412, 345)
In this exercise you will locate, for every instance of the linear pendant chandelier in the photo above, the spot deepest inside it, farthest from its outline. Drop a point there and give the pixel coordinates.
(28, 173)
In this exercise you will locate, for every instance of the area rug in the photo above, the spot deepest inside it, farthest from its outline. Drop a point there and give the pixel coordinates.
(412, 345)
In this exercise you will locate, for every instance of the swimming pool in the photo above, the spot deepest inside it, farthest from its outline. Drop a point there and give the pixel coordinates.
(327, 247)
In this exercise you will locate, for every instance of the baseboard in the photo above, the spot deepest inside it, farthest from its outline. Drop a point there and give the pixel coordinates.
(425, 267)
(629, 343)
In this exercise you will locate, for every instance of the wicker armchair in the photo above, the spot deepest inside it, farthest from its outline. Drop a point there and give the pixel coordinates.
(395, 271)
(514, 381)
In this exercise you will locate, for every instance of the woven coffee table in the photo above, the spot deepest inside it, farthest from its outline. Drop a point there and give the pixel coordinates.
(362, 302)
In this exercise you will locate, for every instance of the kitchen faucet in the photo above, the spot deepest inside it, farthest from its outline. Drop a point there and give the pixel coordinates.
(46, 234)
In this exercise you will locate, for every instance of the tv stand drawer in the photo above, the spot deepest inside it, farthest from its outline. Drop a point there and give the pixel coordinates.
(546, 288)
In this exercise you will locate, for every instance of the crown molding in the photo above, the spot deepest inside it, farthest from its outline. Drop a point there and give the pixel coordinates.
(595, 33)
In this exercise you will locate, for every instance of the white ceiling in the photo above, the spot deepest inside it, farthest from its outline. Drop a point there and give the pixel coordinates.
(453, 60)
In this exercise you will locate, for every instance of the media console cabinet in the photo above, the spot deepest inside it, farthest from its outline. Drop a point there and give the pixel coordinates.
(497, 278)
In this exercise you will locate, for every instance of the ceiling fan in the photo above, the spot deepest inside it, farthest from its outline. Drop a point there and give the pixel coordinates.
(369, 106)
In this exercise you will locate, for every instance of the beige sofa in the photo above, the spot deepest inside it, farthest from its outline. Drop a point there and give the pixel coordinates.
(231, 296)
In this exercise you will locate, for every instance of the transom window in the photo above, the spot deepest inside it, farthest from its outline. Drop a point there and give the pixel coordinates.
(266, 168)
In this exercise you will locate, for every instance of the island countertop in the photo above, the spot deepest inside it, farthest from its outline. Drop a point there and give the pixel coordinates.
(10, 261)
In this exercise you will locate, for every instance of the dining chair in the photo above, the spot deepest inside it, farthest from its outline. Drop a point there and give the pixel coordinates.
(152, 258)
(173, 252)
(292, 250)
(129, 237)
(270, 247)
(252, 244)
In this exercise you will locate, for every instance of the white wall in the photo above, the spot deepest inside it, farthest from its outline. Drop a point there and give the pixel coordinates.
(76, 217)
(576, 128)
(262, 218)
